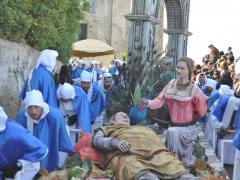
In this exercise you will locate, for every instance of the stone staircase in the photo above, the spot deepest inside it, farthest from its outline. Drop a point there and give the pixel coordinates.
(213, 160)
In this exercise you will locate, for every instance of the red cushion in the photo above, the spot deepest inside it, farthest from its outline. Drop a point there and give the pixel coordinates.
(85, 149)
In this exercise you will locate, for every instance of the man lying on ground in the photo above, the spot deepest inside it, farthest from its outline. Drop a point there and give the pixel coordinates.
(136, 152)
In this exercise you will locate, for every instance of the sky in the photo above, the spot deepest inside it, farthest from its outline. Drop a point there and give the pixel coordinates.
(213, 22)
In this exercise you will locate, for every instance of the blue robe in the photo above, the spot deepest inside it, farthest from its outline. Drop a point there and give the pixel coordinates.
(89, 69)
(17, 143)
(113, 70)
(51, 130)
(202, 87)
(97, 101)
(83, 109)
(219, 112)
(237, 119)
(94, 72)
(213, 97)
(220, 108)
(236, 139)
(76, 73)
(42, 81)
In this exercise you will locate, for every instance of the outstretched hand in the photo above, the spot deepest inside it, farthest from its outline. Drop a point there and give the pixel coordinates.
(123, 146)
(144, 101)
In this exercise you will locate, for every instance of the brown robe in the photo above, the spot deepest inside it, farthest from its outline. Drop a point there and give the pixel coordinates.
(147, 152)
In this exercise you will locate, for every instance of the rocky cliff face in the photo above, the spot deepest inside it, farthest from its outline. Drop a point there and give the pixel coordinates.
(16, 61)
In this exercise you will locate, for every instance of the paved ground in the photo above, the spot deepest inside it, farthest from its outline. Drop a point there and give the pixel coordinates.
(229, 169)
(213, 160)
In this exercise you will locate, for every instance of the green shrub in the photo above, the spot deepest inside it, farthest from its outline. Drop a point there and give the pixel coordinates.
(42, 23)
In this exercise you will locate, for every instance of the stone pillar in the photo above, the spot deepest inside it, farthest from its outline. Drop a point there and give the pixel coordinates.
(141, 39)
(177, 28)
(177, 44)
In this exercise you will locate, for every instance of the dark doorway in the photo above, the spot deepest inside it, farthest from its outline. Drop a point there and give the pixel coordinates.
(83, 31)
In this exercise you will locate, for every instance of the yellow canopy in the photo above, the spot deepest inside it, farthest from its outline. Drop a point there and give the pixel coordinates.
(91, 48)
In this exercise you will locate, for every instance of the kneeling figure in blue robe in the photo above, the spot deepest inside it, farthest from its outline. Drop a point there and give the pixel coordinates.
(20, 152)
(47, 124)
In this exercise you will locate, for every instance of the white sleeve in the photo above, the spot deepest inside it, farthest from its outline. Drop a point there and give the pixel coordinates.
(227, 116)
(29, 170)
(214, 122)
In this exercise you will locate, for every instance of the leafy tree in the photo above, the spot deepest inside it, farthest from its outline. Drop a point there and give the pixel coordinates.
(42, 23)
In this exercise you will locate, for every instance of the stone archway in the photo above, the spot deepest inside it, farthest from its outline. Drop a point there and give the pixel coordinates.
(142, 67)
(177, 27)
(143, 19)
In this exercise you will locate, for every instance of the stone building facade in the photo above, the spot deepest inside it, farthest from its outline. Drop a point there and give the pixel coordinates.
(105, 21)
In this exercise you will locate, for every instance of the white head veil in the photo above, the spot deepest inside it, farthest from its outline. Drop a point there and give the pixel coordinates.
(225, 90)
(197, 77)
(48, 59)
(35, 98)
(66, 91)
(86, 76)
(211, 83)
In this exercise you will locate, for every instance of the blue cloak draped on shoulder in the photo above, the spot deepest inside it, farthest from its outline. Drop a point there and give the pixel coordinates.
(94, 72)
(220, 108)
(51, 130)
(76, 73)
(17, 143)
(213, 97)
(236, 139)
(97, 101)
(89, 69)
(237, 119)
(113, 70)
(202, 87)
(219, 112)
(42, 81)
(83, 109)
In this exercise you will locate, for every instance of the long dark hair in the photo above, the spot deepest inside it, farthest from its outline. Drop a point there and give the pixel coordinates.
(225, 79)
(190, 65)
(64, 75)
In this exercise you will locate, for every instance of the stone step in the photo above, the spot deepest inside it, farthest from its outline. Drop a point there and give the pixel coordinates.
(213, 160)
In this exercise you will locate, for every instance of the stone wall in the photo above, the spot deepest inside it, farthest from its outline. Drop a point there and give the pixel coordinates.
(99, 22)
(16, 61)
(107, 23)
(119, 34)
